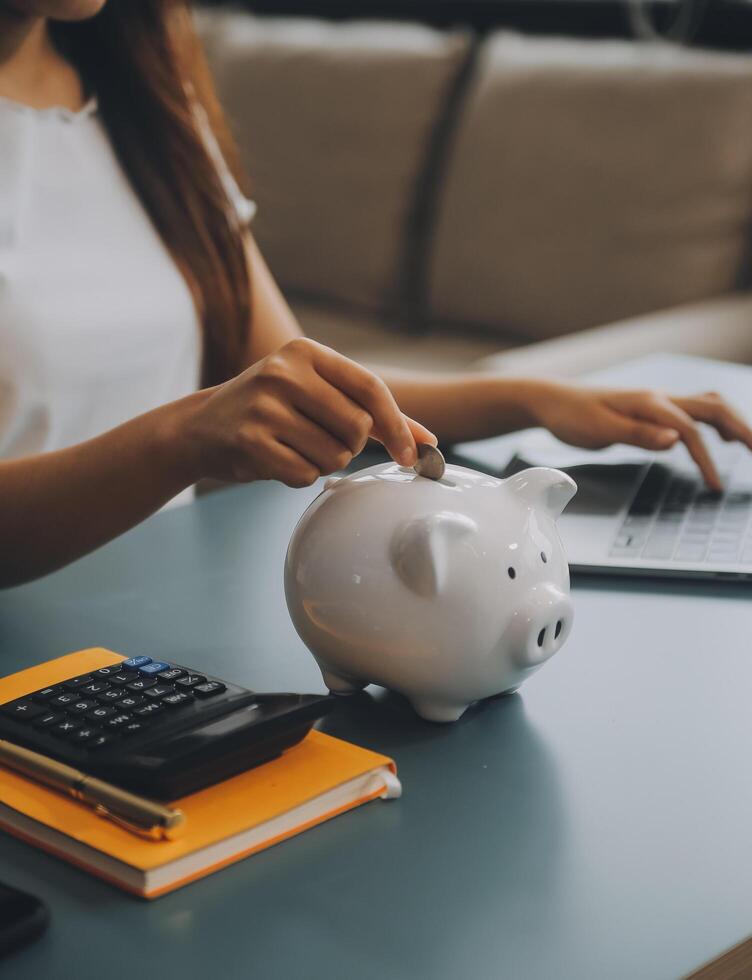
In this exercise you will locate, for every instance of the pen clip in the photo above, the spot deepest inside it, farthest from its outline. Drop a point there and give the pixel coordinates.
(150, 833)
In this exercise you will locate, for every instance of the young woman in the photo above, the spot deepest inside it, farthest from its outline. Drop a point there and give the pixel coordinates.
(143, 342)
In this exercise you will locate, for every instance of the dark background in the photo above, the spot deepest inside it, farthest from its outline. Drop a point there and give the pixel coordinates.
(707, 23)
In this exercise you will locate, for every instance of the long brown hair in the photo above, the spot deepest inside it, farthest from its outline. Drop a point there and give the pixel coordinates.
(144, 62)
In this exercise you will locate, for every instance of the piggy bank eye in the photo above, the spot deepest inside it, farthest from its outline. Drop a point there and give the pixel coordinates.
(543, 557)
(511, 572)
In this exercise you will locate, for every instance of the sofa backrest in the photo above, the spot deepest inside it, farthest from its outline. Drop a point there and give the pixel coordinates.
(334, 123)
(590, 181)
(582, 181)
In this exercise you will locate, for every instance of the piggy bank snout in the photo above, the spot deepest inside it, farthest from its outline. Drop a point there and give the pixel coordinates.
(544, 623)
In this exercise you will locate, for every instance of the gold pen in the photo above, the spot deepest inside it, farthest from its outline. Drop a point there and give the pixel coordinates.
(135, 813)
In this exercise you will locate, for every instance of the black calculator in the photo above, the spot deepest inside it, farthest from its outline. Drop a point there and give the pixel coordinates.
(158, 728)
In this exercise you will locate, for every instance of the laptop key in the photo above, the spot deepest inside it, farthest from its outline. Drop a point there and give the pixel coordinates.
(690, 552)
(657, 550)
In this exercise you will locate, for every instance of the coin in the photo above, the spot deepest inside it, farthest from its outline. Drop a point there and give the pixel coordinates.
(430, 462)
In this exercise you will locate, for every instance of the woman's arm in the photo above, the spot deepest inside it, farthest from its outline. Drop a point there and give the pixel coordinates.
(461, 407)
(301, 412)
(273, 323)
(57, 506)
(477, 406)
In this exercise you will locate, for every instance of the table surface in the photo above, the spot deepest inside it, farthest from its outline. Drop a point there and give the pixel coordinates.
(594, 825)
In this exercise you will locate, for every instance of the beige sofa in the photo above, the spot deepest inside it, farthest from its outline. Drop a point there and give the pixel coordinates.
(511, 203)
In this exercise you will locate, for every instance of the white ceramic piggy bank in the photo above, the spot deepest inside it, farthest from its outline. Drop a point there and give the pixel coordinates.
(447, 591)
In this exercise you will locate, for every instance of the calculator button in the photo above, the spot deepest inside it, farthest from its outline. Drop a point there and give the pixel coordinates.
(124, 677)
(82, 706)
(64, 700)
(109, 697)
(190, 680)
(75, 682)
(134, 727)
(155, 667)
(133, 663)
(142, 684)
(159, 691)
(106, 672)
(130, 701)
(84, 734)
(48, 718)
(102, 713)
(66, 727)
(96, 687)
(119, 721)
(23, 710)
(46, 693)
(148, 709)
(209, 689)
(172, 674)
(178, 698)
(98, 741)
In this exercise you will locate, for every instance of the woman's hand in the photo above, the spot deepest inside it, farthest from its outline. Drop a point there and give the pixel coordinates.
(597, 417)
(302, 412)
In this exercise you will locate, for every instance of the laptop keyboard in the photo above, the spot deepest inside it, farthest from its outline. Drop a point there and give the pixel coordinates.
(674, 517)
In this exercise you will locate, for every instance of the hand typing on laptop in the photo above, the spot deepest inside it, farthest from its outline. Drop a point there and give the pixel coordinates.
(594, 418)
(662, 499)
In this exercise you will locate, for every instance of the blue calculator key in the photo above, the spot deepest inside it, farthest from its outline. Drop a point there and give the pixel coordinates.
(135, 662)
(153, 667)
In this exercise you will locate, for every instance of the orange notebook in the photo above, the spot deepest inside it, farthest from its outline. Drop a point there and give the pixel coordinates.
(315, 780)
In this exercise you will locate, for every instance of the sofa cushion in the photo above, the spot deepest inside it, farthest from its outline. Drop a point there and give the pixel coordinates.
(334, 122)
(720, 329)
(590, 181)
(379, 342)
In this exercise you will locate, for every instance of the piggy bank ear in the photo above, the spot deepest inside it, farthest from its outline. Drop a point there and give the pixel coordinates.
(543, 487)
(421, 549)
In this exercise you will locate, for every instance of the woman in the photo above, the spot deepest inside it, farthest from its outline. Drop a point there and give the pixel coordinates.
(143, 343)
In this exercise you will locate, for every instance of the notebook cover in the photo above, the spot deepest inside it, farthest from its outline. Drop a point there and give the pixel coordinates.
(317, 764)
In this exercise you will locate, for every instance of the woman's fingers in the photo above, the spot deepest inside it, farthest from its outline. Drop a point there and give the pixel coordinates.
(660, 410)
(420, 433)
(313, 443)
(333, 411)
(713, 410)
(613, 425)
(287, 466)
(366, 389)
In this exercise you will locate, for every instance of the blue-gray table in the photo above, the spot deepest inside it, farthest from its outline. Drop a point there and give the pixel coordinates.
(598, 825)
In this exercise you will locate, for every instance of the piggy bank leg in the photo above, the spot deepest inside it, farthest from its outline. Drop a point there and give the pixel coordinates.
(339, 684)
(437, 710)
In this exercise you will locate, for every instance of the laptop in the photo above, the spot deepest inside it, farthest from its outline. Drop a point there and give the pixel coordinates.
(642, 513)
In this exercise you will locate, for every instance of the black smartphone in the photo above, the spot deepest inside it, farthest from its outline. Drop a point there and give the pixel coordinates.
(23, 917)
